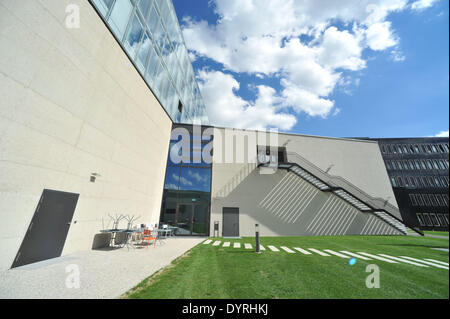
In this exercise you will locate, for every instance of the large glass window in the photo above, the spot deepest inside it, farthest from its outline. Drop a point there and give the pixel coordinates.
(144, 6)
(120, 16)
(420, 219)
(144, 52)
(134, 36)
(141, 26)
(187, 192)
(104, 6)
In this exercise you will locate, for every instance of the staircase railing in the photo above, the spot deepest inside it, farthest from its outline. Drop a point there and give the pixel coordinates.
(339, 183)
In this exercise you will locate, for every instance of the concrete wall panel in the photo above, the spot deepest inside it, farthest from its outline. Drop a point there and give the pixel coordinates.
(72, 105)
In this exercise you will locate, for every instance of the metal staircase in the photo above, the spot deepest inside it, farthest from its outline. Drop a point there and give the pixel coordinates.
(342, 188)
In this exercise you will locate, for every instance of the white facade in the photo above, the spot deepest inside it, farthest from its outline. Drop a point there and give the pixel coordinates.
(71, 105)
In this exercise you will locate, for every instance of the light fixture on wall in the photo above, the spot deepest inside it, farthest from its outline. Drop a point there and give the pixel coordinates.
(94, 177)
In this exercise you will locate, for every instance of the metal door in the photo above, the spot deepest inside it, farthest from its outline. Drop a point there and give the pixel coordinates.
(230, 222)
(48, 229)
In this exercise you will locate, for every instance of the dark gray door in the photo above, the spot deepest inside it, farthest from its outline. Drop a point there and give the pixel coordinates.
(230, 222)
(48, 229)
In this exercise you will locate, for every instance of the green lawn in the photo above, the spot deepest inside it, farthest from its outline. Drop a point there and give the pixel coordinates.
(440, 233)
(215, 272)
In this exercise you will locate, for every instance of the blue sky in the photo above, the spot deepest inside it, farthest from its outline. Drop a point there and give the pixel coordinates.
(374, 68)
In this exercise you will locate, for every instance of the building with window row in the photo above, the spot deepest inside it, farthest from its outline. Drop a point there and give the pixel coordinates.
(419, 172)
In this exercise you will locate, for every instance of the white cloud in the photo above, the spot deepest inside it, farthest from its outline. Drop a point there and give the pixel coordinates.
(379, 36)
(264, 38)
(422, 4)
(442, 134)
(219, 90)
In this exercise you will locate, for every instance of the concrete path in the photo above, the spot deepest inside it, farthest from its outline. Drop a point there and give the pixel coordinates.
(103, 274)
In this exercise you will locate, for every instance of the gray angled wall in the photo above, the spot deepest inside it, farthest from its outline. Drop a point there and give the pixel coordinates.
(283, 204)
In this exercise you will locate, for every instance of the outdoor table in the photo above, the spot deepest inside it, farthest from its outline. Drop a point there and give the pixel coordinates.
(173, 229)
(113, 232)
(165, 231)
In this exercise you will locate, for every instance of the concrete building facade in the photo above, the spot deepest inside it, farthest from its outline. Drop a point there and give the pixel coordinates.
(73, 105)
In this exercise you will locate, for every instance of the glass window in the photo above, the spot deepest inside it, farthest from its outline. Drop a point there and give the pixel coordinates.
(153, 65)
(429, 165)
(172, 178)
(400, 166)
(144, 51)
(439, 200)
(399, 182)
(419, 199)
(416, 162)
(420, 219)
(426, 200)
(442, 220)
(159, 35)
(427, 220)
(103, 6)
(144, 6)
(411, 165)
(437, 182)
(406, 181)
(383, 149)
(433, 200)
(393, 181)
(444, 182)
(153, 18)
(158, 78)
(435, 164)
(412, 198)
(430, 181)
(195, 179)
(134, 36)
(411, 182)
(418, 182)
(405, 149)
(422, 163)
(120, 15)
(388, 165)
(434, 220)
(175, 153)
(434, 149)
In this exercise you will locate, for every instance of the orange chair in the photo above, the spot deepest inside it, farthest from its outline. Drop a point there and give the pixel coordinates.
(148, 237)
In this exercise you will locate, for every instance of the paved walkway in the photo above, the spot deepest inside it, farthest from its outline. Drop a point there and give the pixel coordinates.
(103, 274)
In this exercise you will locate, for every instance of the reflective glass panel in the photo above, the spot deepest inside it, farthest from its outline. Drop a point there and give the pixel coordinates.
(134, 36)
(120, 16)
(103, 5)
(197, 179)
